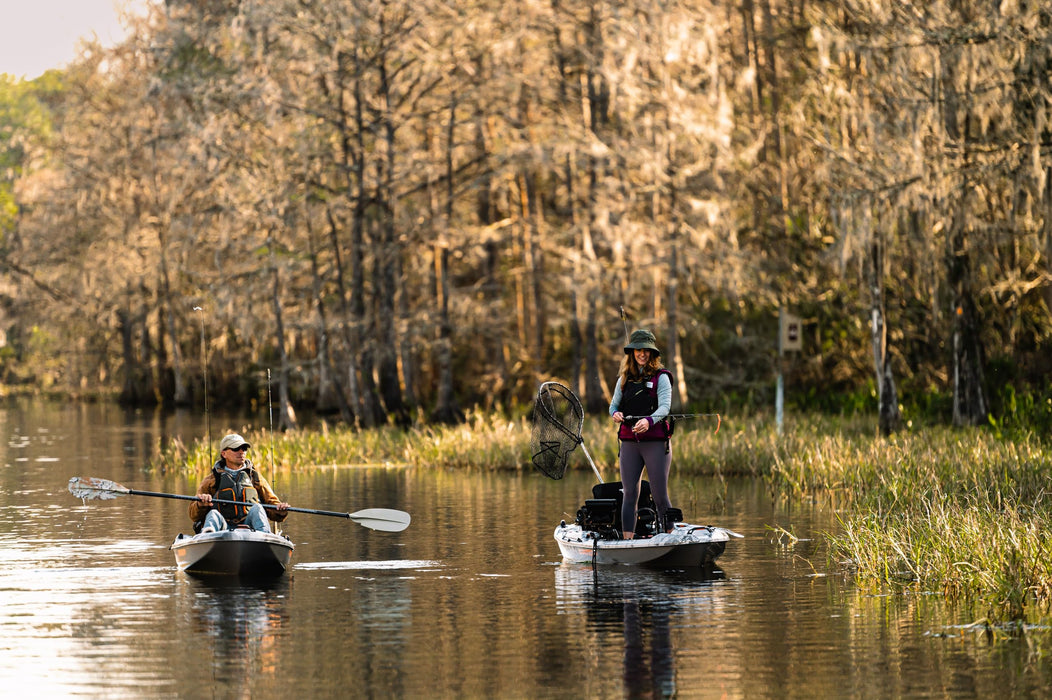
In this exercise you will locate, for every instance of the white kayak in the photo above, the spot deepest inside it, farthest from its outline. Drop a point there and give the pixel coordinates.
(240, 552)
(686, 546)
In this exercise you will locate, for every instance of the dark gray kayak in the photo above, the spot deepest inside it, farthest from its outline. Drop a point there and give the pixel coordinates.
(241, 552)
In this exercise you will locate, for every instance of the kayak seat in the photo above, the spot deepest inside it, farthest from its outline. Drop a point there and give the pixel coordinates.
(672, 516)
(599, 515)
(646, 509)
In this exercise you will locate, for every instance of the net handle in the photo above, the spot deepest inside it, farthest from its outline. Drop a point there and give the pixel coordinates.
(594, 468)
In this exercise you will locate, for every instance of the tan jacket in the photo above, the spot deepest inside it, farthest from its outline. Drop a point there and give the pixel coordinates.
(198, 511)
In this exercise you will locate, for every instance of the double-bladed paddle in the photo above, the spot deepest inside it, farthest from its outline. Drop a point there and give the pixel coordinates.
(94, 489)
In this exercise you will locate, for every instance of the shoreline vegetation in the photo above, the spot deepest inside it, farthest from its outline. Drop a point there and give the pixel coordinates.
(961, 512)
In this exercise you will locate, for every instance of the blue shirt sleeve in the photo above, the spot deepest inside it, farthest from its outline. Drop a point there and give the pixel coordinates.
(616, 400)
(664, 406)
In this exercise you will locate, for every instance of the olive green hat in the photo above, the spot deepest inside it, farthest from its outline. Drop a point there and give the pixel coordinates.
(642, 339)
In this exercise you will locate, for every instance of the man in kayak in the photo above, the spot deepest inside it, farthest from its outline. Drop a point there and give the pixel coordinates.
(233, 478)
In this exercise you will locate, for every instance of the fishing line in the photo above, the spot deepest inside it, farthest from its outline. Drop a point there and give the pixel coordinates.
(270, 409)
(204, 372)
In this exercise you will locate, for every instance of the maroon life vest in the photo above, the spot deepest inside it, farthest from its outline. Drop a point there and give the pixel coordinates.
(639, 399)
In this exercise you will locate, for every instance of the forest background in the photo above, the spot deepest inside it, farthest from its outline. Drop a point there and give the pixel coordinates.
(407, 210)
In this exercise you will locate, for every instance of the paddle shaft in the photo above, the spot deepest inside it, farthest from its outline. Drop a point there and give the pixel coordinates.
(224, 501)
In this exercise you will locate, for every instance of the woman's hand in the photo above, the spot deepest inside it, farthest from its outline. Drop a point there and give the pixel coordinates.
(618, 417)
(205, 498)
(642, 425)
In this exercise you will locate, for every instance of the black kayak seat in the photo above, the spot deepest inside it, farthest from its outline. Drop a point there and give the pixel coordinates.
(612, 490)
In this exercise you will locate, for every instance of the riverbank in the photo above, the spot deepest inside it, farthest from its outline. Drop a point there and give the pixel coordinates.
(959, 512)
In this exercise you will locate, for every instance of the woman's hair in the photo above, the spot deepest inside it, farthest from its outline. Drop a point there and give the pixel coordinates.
(630, 372)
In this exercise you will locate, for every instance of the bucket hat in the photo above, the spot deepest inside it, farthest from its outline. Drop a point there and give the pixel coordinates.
(642, 339)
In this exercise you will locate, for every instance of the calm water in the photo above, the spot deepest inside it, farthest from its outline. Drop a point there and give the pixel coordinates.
(472, 601)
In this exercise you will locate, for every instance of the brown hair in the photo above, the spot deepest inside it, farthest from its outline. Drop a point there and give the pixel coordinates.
(631, 372)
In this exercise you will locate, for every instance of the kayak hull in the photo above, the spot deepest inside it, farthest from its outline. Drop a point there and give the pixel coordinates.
(687, 546)
(240, 552)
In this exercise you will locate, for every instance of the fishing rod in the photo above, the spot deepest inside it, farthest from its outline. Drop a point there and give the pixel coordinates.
(682, 416)
(270, 409)
(204, 372)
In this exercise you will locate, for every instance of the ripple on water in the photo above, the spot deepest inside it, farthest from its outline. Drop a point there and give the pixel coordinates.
(390, 565)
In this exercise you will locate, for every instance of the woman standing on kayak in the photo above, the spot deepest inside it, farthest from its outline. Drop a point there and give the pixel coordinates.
(643, 391)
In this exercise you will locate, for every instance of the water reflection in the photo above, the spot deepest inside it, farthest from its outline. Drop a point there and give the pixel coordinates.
(635, 607)
(237, 625)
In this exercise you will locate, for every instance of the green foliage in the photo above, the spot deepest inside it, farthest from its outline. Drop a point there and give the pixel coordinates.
(1018, 414)
(25, 124)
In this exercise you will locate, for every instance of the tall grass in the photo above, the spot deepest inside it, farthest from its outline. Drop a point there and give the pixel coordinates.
(484, 441)
(958, 512)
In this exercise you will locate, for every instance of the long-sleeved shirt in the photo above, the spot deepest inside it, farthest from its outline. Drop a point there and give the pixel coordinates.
(208, 485)
(664, 396)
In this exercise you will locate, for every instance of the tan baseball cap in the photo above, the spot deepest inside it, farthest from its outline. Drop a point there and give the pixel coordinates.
(232, 442)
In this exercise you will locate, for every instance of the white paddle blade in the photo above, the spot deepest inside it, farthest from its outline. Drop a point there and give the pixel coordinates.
(89, 488)
(383, 519)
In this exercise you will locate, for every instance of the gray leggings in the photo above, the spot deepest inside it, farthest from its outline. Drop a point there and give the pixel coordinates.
(634, 456)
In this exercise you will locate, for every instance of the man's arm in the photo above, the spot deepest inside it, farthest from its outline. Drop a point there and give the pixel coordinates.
(267, 495)
(198, 510)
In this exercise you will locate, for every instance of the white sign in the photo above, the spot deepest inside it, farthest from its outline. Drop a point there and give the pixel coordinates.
(790, 332)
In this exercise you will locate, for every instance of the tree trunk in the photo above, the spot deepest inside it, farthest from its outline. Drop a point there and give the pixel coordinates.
(386, 252)
(286, 415)
(370, 411)
(595, 401)
(135, 380)
(329, 389)
(889, 417)
(180, 393)
(446, 409)
(969, 397)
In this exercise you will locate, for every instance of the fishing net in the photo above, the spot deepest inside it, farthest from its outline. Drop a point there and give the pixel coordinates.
(557, 422)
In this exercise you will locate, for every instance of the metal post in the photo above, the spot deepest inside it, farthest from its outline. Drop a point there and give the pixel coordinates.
(779, 394)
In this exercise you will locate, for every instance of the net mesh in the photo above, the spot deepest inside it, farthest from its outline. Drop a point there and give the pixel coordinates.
(557, 422)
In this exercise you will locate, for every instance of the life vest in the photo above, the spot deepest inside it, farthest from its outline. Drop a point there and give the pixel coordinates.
(640, 398)
(238, 486)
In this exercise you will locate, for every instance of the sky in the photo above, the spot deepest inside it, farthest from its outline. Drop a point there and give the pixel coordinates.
(36, 35)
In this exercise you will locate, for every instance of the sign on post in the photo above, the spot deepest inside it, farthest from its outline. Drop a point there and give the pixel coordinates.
(790, 333)
(790, 339)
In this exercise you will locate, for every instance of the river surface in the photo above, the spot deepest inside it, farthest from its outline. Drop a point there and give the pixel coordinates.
(472, 601)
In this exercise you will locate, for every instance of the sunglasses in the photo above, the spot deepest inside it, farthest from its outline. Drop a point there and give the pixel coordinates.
(243, 448)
